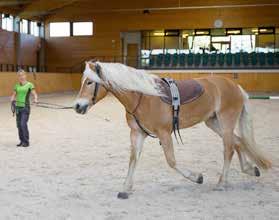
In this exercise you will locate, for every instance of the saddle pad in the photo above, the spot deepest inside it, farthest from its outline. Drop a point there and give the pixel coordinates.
(189, 90)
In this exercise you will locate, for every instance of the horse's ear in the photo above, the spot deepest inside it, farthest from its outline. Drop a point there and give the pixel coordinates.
(96, 68)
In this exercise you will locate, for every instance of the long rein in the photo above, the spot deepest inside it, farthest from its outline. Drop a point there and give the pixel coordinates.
(40, 105)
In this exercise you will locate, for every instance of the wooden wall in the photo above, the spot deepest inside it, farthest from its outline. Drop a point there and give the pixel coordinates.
(16, 48)
(108, 26)
(44, 82)
(28, 47)
(250, 81)
(7, 47)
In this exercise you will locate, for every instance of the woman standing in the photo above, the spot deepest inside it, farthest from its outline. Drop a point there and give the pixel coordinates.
(20, 97)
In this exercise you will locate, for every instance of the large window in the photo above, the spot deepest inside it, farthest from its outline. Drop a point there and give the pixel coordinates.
(60, 29)
(34, 29)
(24, 26)
(68, 29)
(83, 28)
(231, 40)
(7, 22)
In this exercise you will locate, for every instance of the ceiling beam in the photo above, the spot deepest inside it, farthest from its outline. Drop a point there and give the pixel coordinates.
(4, 3)
(41, 8)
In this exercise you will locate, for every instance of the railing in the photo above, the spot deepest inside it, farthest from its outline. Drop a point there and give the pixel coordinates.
(28, 68)
(190, 61)
(213, 61)
(169, 61)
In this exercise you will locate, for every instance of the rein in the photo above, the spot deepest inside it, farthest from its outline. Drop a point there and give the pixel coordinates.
(40, 105)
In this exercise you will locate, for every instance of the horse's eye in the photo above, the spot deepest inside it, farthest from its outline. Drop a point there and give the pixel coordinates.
(89, 82)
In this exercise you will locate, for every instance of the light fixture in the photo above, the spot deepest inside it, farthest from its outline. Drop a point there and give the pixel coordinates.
(218, 23)
(159, 34)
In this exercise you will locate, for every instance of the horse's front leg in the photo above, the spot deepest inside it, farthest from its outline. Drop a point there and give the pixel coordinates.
(137, 139)
(167, 144)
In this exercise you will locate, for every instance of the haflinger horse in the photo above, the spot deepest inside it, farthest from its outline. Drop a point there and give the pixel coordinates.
(223, 107)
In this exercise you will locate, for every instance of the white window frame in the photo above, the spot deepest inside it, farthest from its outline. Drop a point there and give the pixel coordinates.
(5, 25)
(24, 26)
(90, 25)
(63, 33)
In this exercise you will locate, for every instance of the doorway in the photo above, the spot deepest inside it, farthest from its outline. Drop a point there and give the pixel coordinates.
(132, 55)
(131, 48)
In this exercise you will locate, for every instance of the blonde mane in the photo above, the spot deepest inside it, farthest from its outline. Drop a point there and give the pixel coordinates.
(122, 77)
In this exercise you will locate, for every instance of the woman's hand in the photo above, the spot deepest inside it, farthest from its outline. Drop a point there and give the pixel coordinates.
(35, 96)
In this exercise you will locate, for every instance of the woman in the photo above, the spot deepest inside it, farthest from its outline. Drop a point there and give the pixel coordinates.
(20, 97)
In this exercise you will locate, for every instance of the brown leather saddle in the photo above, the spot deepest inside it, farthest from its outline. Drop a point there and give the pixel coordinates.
(189, 90)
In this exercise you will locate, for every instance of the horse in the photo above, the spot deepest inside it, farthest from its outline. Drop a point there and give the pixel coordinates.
(223, 106)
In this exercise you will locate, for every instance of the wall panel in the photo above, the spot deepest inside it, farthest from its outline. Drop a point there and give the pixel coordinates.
(109, 25)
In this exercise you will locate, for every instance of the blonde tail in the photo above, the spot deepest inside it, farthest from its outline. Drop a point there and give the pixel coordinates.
(247, 136)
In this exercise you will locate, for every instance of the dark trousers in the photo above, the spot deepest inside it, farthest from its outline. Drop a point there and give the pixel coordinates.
(22, 117)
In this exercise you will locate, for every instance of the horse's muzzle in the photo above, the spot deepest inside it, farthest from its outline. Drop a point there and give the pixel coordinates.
(81, 109)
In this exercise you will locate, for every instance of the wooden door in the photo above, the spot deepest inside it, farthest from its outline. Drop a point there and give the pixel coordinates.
(132, 55)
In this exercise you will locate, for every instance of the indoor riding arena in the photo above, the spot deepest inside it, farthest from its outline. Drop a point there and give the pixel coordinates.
(96, 96)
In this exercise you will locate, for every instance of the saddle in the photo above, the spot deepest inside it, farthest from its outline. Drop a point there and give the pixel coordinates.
(189, 90)
(179, 93)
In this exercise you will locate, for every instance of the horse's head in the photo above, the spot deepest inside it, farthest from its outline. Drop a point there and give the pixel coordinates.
(92, 89)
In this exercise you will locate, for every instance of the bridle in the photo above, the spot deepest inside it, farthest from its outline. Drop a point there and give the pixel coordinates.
(97, 85)
(94, 99)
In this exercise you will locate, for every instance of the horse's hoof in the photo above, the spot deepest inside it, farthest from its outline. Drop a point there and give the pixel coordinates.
(122, 195)
(200, 179)
(257, 171)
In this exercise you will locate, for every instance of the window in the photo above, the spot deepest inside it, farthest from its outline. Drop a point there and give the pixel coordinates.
(7, 22)
(199, 44)
(24, 26)
(34, 28)
(60, 29)
(243, 43)
(83, 28)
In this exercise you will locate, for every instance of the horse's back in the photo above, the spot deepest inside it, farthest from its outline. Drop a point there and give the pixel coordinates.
(225, 91)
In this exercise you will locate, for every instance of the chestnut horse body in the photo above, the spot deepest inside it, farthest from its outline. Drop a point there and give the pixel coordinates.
(222, 106)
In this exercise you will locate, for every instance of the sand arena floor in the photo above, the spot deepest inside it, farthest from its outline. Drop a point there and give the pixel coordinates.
(77, 164)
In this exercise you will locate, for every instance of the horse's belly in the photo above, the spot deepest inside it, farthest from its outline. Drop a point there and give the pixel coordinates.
(200, 109)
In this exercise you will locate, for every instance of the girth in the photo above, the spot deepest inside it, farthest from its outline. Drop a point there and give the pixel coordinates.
(175, 102)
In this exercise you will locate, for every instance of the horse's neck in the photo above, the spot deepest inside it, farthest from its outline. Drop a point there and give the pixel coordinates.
(128, 99)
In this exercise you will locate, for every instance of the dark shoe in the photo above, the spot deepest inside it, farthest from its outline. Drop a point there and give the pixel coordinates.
(25, 145)
(19, 145)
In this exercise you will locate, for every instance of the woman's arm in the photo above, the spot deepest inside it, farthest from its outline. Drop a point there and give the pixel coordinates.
(35, 95)
(13, 97)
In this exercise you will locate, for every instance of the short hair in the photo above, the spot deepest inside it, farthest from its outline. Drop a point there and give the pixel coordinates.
(21, 71)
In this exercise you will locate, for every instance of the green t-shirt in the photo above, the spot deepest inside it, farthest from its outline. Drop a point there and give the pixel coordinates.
(23, 93)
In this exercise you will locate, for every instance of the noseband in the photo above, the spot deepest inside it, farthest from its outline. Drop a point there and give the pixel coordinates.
(97, 85)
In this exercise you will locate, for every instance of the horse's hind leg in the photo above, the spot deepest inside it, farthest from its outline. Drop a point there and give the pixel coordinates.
(245, 166)
(137, 138)
(167, 145)
(227, 123)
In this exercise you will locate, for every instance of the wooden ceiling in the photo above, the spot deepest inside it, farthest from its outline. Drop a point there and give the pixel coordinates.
(40, 8)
